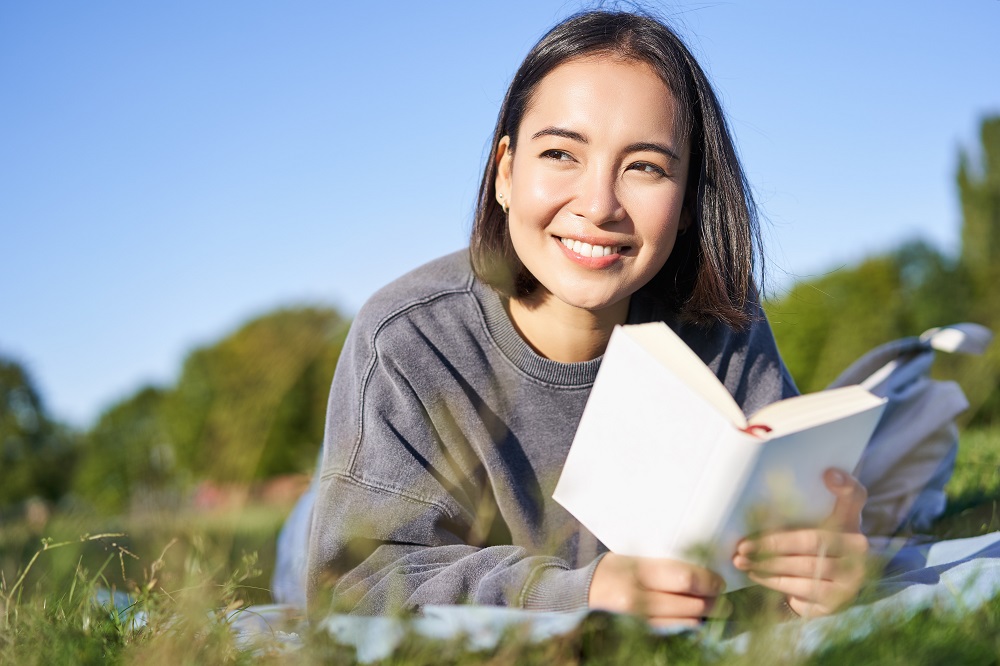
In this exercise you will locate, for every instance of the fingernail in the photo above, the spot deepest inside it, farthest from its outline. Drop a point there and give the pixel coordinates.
(838, 477)
(741, 562)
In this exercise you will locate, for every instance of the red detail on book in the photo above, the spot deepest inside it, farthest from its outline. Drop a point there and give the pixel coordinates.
(757, 429)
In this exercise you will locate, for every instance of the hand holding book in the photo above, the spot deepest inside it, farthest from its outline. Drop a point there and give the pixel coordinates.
(818, 570)
(687, 477)
(665, 592)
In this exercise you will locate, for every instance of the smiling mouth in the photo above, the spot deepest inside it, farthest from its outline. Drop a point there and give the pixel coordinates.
(588, 250)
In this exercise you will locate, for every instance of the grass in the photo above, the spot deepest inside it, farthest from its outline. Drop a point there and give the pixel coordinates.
(186, 574)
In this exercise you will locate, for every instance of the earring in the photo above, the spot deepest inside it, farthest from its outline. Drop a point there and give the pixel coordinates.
(503, 206)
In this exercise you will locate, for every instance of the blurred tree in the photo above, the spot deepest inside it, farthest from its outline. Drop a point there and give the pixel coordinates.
(129, 457)
(253, 405)
(823, 324)
(37, 455)
(979, 189)
(250, 406)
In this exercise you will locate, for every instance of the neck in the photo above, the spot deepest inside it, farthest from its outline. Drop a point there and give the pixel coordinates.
(562, 332)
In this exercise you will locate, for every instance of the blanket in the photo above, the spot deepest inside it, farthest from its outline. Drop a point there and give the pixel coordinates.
(956, 576)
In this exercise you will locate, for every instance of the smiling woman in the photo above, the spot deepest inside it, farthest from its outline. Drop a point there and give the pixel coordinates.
(594, 196)
(612, 195)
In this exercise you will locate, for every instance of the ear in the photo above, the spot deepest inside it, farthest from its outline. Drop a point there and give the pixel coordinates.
(504, 158)
(687, 217)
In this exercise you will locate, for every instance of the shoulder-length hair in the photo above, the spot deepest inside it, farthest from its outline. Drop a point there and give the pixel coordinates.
(709, 276)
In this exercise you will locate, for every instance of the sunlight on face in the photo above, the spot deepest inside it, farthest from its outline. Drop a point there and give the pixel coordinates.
(596, 183)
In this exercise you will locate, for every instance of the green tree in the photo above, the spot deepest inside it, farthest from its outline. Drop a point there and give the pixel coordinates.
(130, 458)
(978, 180)
(979, 190)
(253, 405)
(249, 406)
(37, 455)
(823, 325)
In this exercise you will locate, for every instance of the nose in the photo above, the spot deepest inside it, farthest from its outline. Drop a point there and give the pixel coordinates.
(597, 198)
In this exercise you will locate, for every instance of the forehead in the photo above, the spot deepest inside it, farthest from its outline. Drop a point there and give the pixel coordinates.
(606, 93)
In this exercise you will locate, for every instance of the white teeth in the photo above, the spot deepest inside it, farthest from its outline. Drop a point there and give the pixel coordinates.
(588, 250)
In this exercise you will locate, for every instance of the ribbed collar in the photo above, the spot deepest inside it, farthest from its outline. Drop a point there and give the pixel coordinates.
(513, 346)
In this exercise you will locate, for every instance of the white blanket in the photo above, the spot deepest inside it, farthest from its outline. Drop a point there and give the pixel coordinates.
(953, 576)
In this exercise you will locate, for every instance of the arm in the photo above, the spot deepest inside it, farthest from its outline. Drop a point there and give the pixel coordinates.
(380, 552)
(405, 513)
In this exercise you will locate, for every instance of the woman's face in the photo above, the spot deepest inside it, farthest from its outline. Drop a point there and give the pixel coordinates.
(596, 185)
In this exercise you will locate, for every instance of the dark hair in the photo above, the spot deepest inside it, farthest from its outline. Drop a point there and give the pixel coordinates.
(709, 276)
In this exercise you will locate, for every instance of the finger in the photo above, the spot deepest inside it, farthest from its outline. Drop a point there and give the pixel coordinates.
(851, 497)
(796, 542)
(664, 622)
(808, 609)
(799, 566)
(665, 604)
(811, 590)
(678, 578)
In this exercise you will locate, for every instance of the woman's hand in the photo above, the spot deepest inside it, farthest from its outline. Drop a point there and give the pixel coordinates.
(818, 570)
(665, 592)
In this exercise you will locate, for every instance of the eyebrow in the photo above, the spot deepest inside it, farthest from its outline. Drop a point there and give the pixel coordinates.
(631, 148)
(653, 147)
(559, 131)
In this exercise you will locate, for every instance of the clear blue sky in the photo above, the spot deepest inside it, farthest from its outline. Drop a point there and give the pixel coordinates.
(168, 170)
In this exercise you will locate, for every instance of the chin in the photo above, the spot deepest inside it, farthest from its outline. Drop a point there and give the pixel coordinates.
(591, 301)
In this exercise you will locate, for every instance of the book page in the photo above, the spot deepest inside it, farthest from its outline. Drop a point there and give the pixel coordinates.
(643, 445)
(786, 483)
(805, 411)
(667, 348)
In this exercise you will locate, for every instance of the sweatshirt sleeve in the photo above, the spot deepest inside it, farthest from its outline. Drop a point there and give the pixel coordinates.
(405, 517)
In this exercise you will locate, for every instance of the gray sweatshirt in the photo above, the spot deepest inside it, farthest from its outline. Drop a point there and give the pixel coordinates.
(445, 437)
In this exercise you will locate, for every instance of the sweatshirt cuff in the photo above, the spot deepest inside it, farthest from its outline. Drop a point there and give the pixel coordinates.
(557, 589)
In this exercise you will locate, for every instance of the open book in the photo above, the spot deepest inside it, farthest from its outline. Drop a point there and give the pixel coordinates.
(664, 463)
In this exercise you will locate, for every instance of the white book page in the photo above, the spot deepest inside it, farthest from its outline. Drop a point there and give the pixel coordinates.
(805, 411)
(667, 348)
(636, 463)
(785, 487)
(723, 486)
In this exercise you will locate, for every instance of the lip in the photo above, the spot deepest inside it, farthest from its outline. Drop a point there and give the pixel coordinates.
(588, 262)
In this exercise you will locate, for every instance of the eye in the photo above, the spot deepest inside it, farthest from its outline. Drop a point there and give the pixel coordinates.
(647, 167)
(558, 155)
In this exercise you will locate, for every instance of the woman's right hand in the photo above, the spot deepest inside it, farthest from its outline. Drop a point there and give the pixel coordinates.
(665, 592)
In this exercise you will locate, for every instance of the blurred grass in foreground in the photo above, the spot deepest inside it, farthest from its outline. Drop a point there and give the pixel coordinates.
(186, 571)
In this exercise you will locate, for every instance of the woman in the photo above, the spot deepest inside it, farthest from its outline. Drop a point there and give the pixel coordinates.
(612, 195)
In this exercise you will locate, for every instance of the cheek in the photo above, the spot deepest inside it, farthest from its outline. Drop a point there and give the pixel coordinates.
(657, 217)
(537, 192)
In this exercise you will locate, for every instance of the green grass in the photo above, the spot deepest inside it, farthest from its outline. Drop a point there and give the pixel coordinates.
(974, 489)
(186, 571)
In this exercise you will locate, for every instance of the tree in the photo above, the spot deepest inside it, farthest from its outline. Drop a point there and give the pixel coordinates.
(129, 457)
(249, 406)
(254, 404)
(823, 325)
(979, 189)
(37, 455)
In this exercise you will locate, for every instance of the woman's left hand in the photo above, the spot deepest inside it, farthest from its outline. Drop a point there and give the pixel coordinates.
(818, 570)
